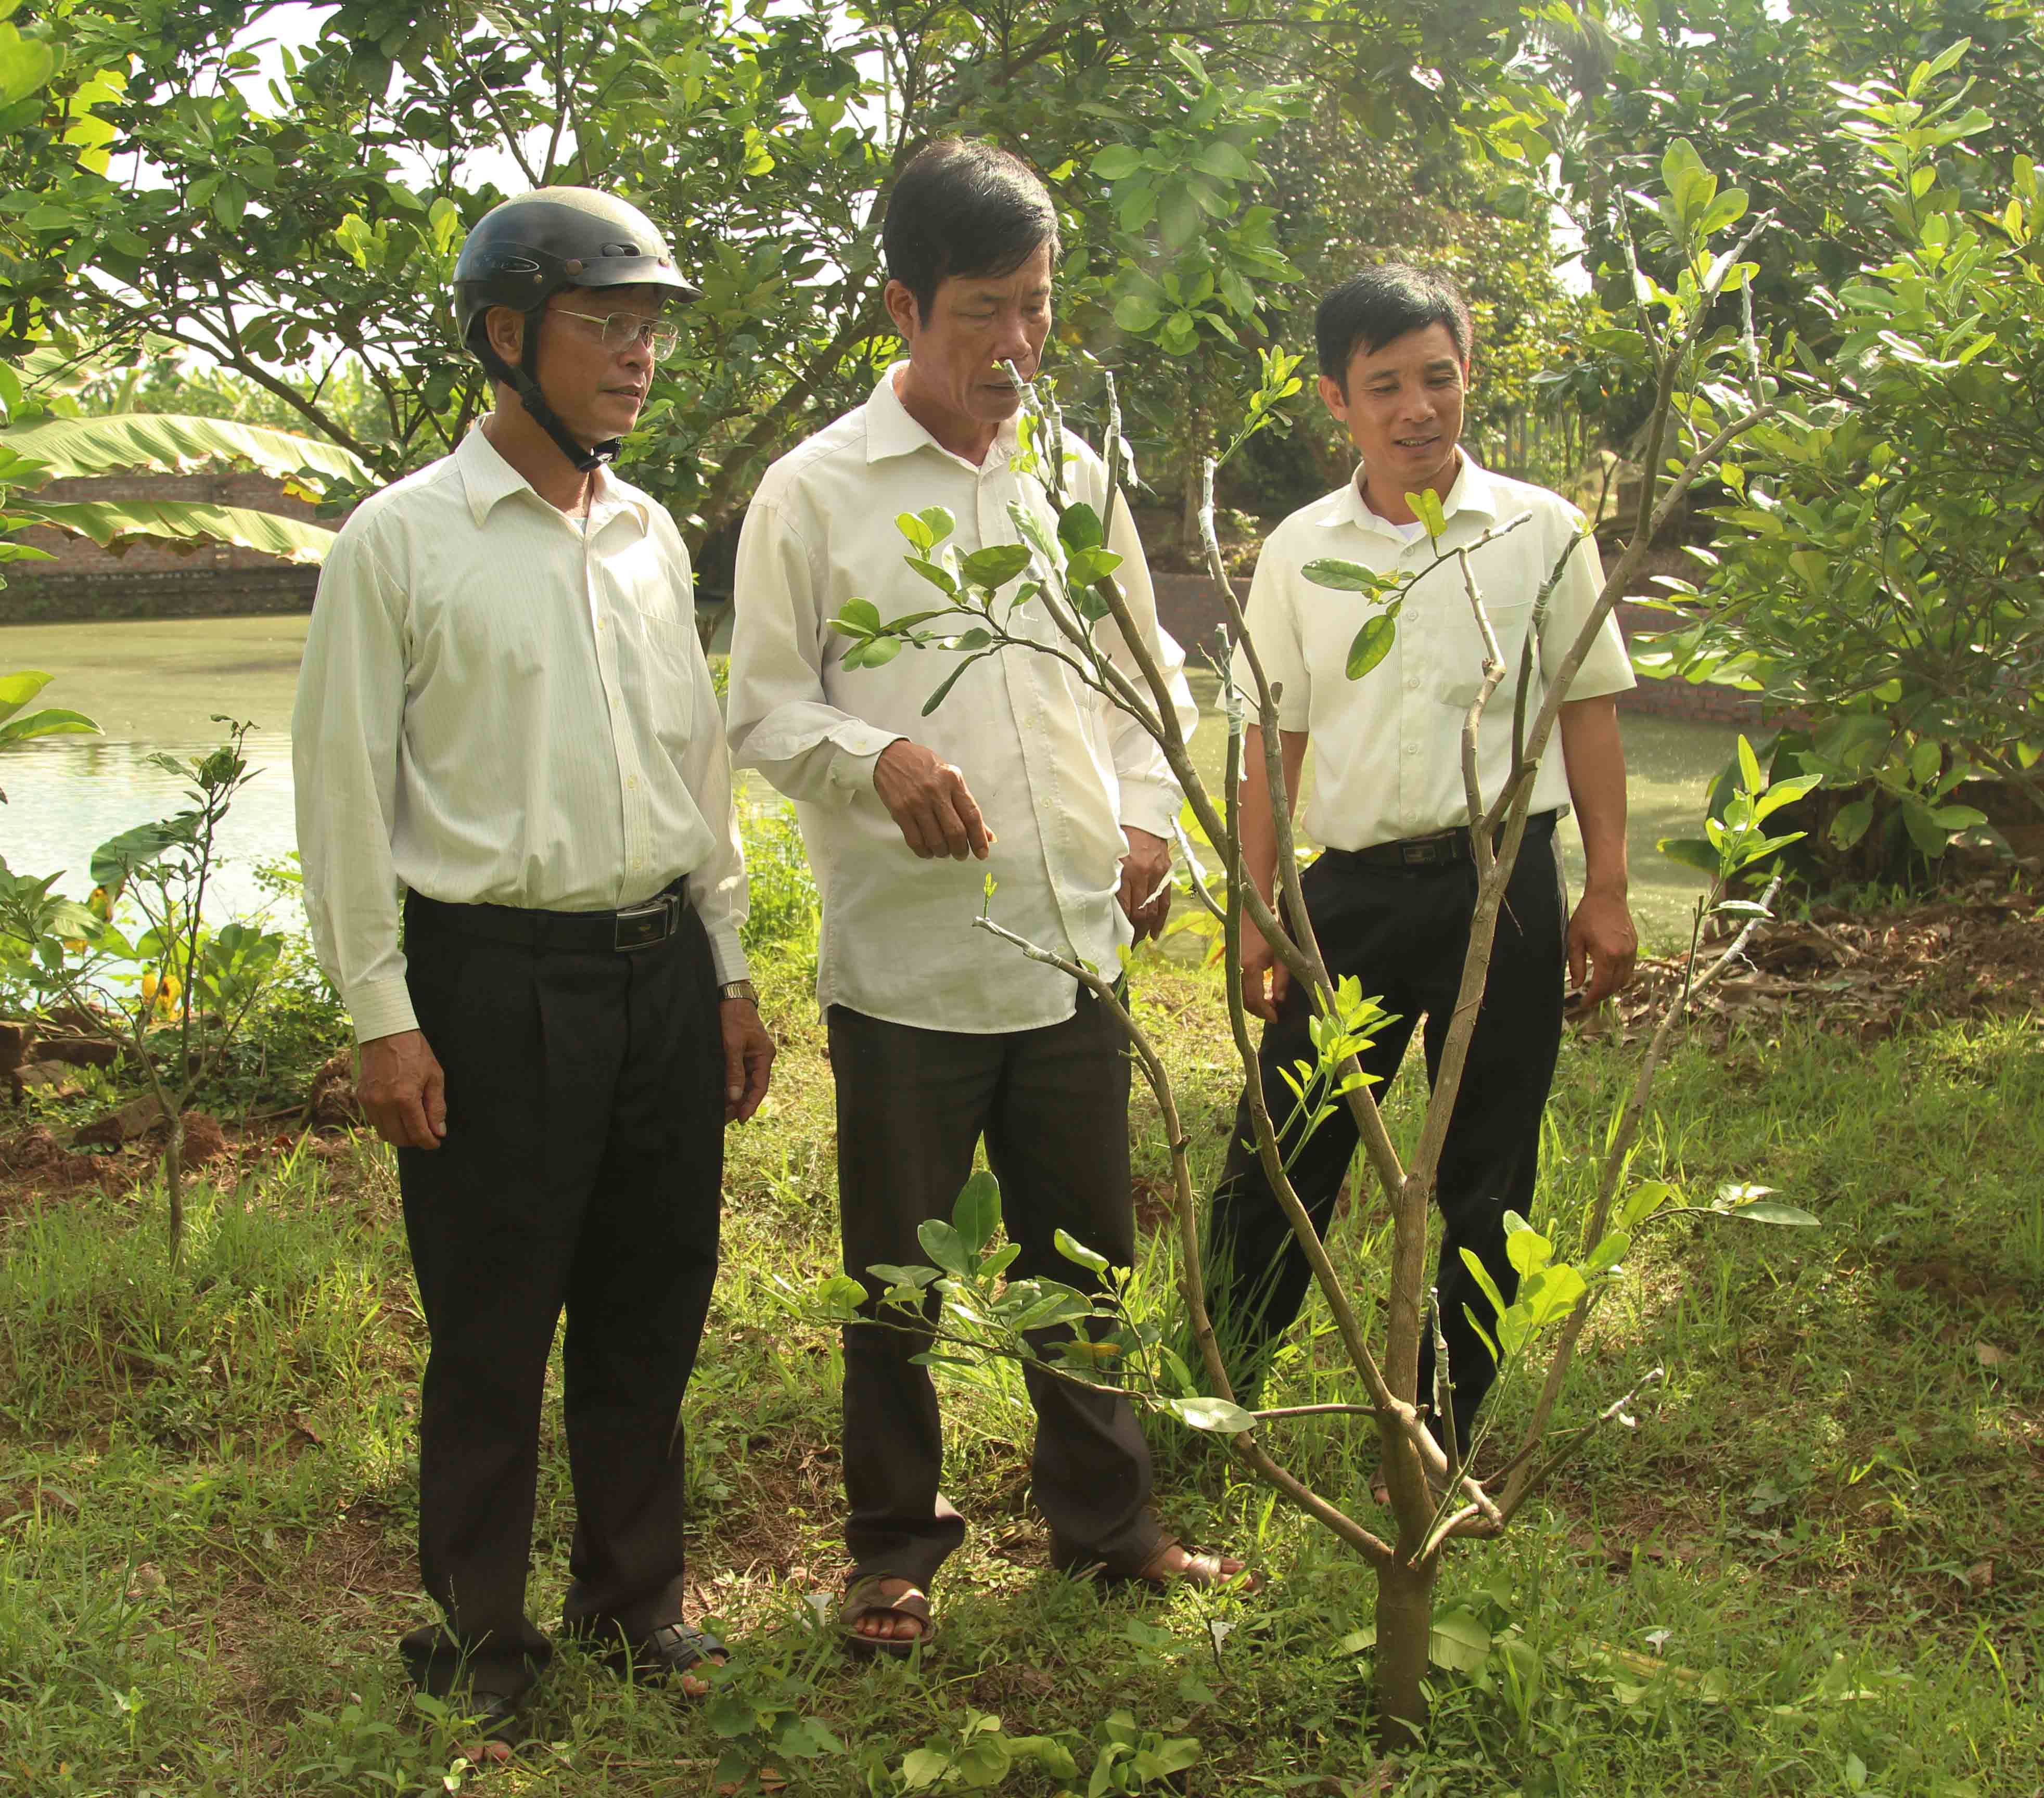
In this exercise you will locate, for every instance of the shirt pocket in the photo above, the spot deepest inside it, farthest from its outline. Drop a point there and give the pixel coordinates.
(1458, 676)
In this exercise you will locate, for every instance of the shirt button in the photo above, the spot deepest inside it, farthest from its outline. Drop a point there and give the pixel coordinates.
(631, 783)
(1412, 683)
(1411, 749)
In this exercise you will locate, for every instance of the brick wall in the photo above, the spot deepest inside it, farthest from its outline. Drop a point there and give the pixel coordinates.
(157, 577)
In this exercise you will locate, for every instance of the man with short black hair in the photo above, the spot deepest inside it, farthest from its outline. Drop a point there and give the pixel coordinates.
(938, 1036)
(1392, 896)
(506, 734)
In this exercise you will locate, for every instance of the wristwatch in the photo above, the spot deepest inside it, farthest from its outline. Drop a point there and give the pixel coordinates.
(739, 990)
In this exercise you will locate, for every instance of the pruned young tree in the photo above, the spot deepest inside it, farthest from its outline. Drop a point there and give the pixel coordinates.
(1054, 594)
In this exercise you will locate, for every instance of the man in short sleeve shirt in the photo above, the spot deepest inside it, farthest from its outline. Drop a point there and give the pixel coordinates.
(1392, 894)
(940, 1037)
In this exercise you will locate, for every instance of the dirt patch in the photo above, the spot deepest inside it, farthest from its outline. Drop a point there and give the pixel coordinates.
(1977, 954)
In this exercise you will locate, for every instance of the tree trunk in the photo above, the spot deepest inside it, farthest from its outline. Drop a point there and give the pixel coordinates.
(1404, 1624)
(173, 1183)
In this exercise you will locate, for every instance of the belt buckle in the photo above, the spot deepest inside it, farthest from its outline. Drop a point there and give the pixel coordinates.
(1420, 852)
(641, 926)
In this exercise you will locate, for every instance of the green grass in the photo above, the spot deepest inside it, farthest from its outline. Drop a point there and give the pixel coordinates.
(1828, 1526)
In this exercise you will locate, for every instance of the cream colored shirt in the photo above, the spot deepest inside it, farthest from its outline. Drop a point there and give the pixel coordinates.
(1387, 749)
(497, 705)
(1056, 770)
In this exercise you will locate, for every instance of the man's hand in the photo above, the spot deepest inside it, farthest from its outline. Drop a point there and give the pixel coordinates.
(929, 801)
(1601, 940)
(1259, 964)
(748, 1054)
(1146, 883)
(403, 1090)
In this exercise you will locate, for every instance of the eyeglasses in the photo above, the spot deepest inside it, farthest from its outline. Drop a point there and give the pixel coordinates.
(622, 329)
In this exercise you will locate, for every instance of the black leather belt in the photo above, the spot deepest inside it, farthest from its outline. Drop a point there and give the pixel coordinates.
(586, 933)
(1444, 849)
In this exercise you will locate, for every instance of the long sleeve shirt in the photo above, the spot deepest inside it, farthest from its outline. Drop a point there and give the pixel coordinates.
(1387, 748)
(500, 704)
(1056, 769)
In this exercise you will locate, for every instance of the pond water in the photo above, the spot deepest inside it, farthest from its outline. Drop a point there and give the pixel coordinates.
(154, 686)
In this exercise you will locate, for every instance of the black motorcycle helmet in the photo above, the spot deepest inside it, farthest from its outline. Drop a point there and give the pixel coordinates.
(528, 249)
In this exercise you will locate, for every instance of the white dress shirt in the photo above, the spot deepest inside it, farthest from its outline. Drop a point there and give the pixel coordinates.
(1056, 770)
(499, 705)
(1387, 749)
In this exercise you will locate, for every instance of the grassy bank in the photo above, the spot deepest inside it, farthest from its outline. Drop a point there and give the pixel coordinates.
(1813, 1568)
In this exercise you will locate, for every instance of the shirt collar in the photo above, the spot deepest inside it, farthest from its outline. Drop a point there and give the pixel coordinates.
(487, 477)
(1473, 491)
(890, 431)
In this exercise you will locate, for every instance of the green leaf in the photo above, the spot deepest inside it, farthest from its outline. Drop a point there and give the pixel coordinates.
(1481, 1275)
(1958, 817)
(1607, 1254)
(1457, 1642)
(936, 573)
(977, 1215)
(1137, 314)
(18, 690)
(944, 1247)
(1642, 1201)
(173, 443)
(944, 686)
(857, 618)
(920, 535)
(1373, 643)
(996, 565)
(1085, 567)
(1427, 508)
(1217, 1414)
(118, 857)
(1766, 1210)
(51, 721)
(1690, 852)
(110, 521)
(1347, 577)
(25, 64)
(1525, 1247)
(840, 1296)
(1851, 823)
(1073, 1251)
(1116, 161)
(1751, 779)
(940, 523)
(1931, 837)
(1078, 528)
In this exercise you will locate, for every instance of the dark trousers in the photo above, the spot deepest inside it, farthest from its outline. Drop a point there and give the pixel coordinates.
(1053, 1106)
(581, 1172)
(1403, 934)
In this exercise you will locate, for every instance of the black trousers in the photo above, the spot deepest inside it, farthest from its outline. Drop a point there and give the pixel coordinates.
(1403, 934)
(581, 1171)
(1053, 1106)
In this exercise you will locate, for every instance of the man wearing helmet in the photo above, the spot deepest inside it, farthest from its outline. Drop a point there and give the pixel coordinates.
(506, 735)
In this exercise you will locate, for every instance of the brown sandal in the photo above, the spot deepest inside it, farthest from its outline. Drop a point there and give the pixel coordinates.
(865, 1599)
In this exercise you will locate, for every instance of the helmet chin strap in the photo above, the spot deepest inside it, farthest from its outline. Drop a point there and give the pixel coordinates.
(525, 383)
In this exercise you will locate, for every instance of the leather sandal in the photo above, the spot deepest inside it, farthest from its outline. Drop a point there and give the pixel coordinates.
(865, 1599)
(673, 1650)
